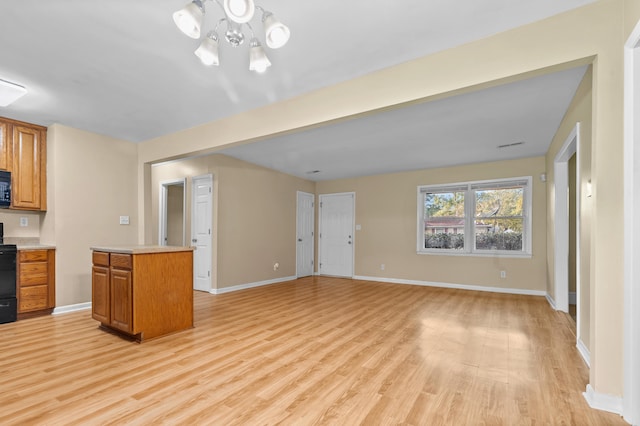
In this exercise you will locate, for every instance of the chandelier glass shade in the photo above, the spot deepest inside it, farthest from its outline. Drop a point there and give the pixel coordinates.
(237, 19)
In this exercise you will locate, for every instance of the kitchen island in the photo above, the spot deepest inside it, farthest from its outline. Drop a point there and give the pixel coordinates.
(142, 292)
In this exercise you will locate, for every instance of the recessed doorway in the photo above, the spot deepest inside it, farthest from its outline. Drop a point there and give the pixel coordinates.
(172, 213)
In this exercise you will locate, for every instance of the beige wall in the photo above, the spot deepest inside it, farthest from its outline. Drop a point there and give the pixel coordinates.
(591, 34)
(386, 210)
(90, 181)
(254, 216)
(12, 228)
(175, 216)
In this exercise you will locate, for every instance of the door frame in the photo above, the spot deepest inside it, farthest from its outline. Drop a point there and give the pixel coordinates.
(313, 243)
(353, 227)
(213, 237)
(162, 209)
(631, 352)
(561, 241)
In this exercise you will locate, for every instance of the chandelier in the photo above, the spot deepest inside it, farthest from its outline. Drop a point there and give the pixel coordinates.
(237, 16)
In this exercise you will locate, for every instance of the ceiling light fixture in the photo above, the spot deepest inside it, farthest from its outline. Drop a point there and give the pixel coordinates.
(10, 92)
(237, 16)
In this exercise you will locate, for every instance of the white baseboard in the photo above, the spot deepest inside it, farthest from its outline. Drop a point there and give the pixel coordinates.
(572, 298)
(456, 286)
(551, 301)
(584, 352)
(602, 401)
(71, 308)
(250, 285)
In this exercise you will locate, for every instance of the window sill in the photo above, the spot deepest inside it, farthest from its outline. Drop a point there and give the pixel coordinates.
(476, 254)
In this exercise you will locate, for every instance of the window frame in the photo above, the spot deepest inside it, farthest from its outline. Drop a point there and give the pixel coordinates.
(469, 249)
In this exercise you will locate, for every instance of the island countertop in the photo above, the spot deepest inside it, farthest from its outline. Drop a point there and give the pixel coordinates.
(141, 249)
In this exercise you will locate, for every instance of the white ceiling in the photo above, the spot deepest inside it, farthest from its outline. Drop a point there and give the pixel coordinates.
(121, 68)
(463, 129)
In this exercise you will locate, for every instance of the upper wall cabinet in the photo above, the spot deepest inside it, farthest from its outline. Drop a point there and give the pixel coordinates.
(5, 147)
(23, 153)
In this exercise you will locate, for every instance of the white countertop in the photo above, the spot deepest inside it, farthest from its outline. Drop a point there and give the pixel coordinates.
(141, 249)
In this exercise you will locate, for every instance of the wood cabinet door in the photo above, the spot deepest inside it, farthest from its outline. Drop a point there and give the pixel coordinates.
(33, 298)
(100, 295)
(5, 147)
(121, 300)
(26, 172)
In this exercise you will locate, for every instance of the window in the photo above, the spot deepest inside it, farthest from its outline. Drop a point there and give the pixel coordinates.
(488, 217)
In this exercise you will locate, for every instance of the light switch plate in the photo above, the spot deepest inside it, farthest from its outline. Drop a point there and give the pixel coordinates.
(124, 220)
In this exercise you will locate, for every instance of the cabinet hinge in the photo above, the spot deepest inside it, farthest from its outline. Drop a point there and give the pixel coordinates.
(208, 273)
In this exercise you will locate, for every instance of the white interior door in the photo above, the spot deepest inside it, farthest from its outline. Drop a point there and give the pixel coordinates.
(305, 219)
(336, 234)
(201, 225)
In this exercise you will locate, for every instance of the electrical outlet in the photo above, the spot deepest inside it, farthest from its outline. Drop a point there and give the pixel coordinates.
(24, 221)
(276, 266)
(503, 274)
(124, 220)
(382, 266)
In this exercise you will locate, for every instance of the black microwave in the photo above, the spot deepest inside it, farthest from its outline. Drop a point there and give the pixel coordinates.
(5, 189)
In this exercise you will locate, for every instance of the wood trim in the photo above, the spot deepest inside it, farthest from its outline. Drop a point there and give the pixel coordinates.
(43, 170)
(52, 277)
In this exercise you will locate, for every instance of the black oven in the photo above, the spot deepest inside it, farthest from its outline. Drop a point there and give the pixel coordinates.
(5, 189)
(8, 301)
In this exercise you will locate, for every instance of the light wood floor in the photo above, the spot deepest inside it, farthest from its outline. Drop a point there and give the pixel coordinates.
(312, 351)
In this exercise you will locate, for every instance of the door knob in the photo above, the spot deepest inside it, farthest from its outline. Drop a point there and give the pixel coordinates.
(195, 240)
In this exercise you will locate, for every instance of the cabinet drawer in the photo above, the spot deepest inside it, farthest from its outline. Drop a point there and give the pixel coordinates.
(32, 256)
(34, 273)
(121, 261)
(100, 258)
(33, 298)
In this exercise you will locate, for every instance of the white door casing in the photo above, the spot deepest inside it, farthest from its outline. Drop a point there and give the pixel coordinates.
(561, 244)
(631, 401)
(336, 234)
(305, 222)
(201, 231)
